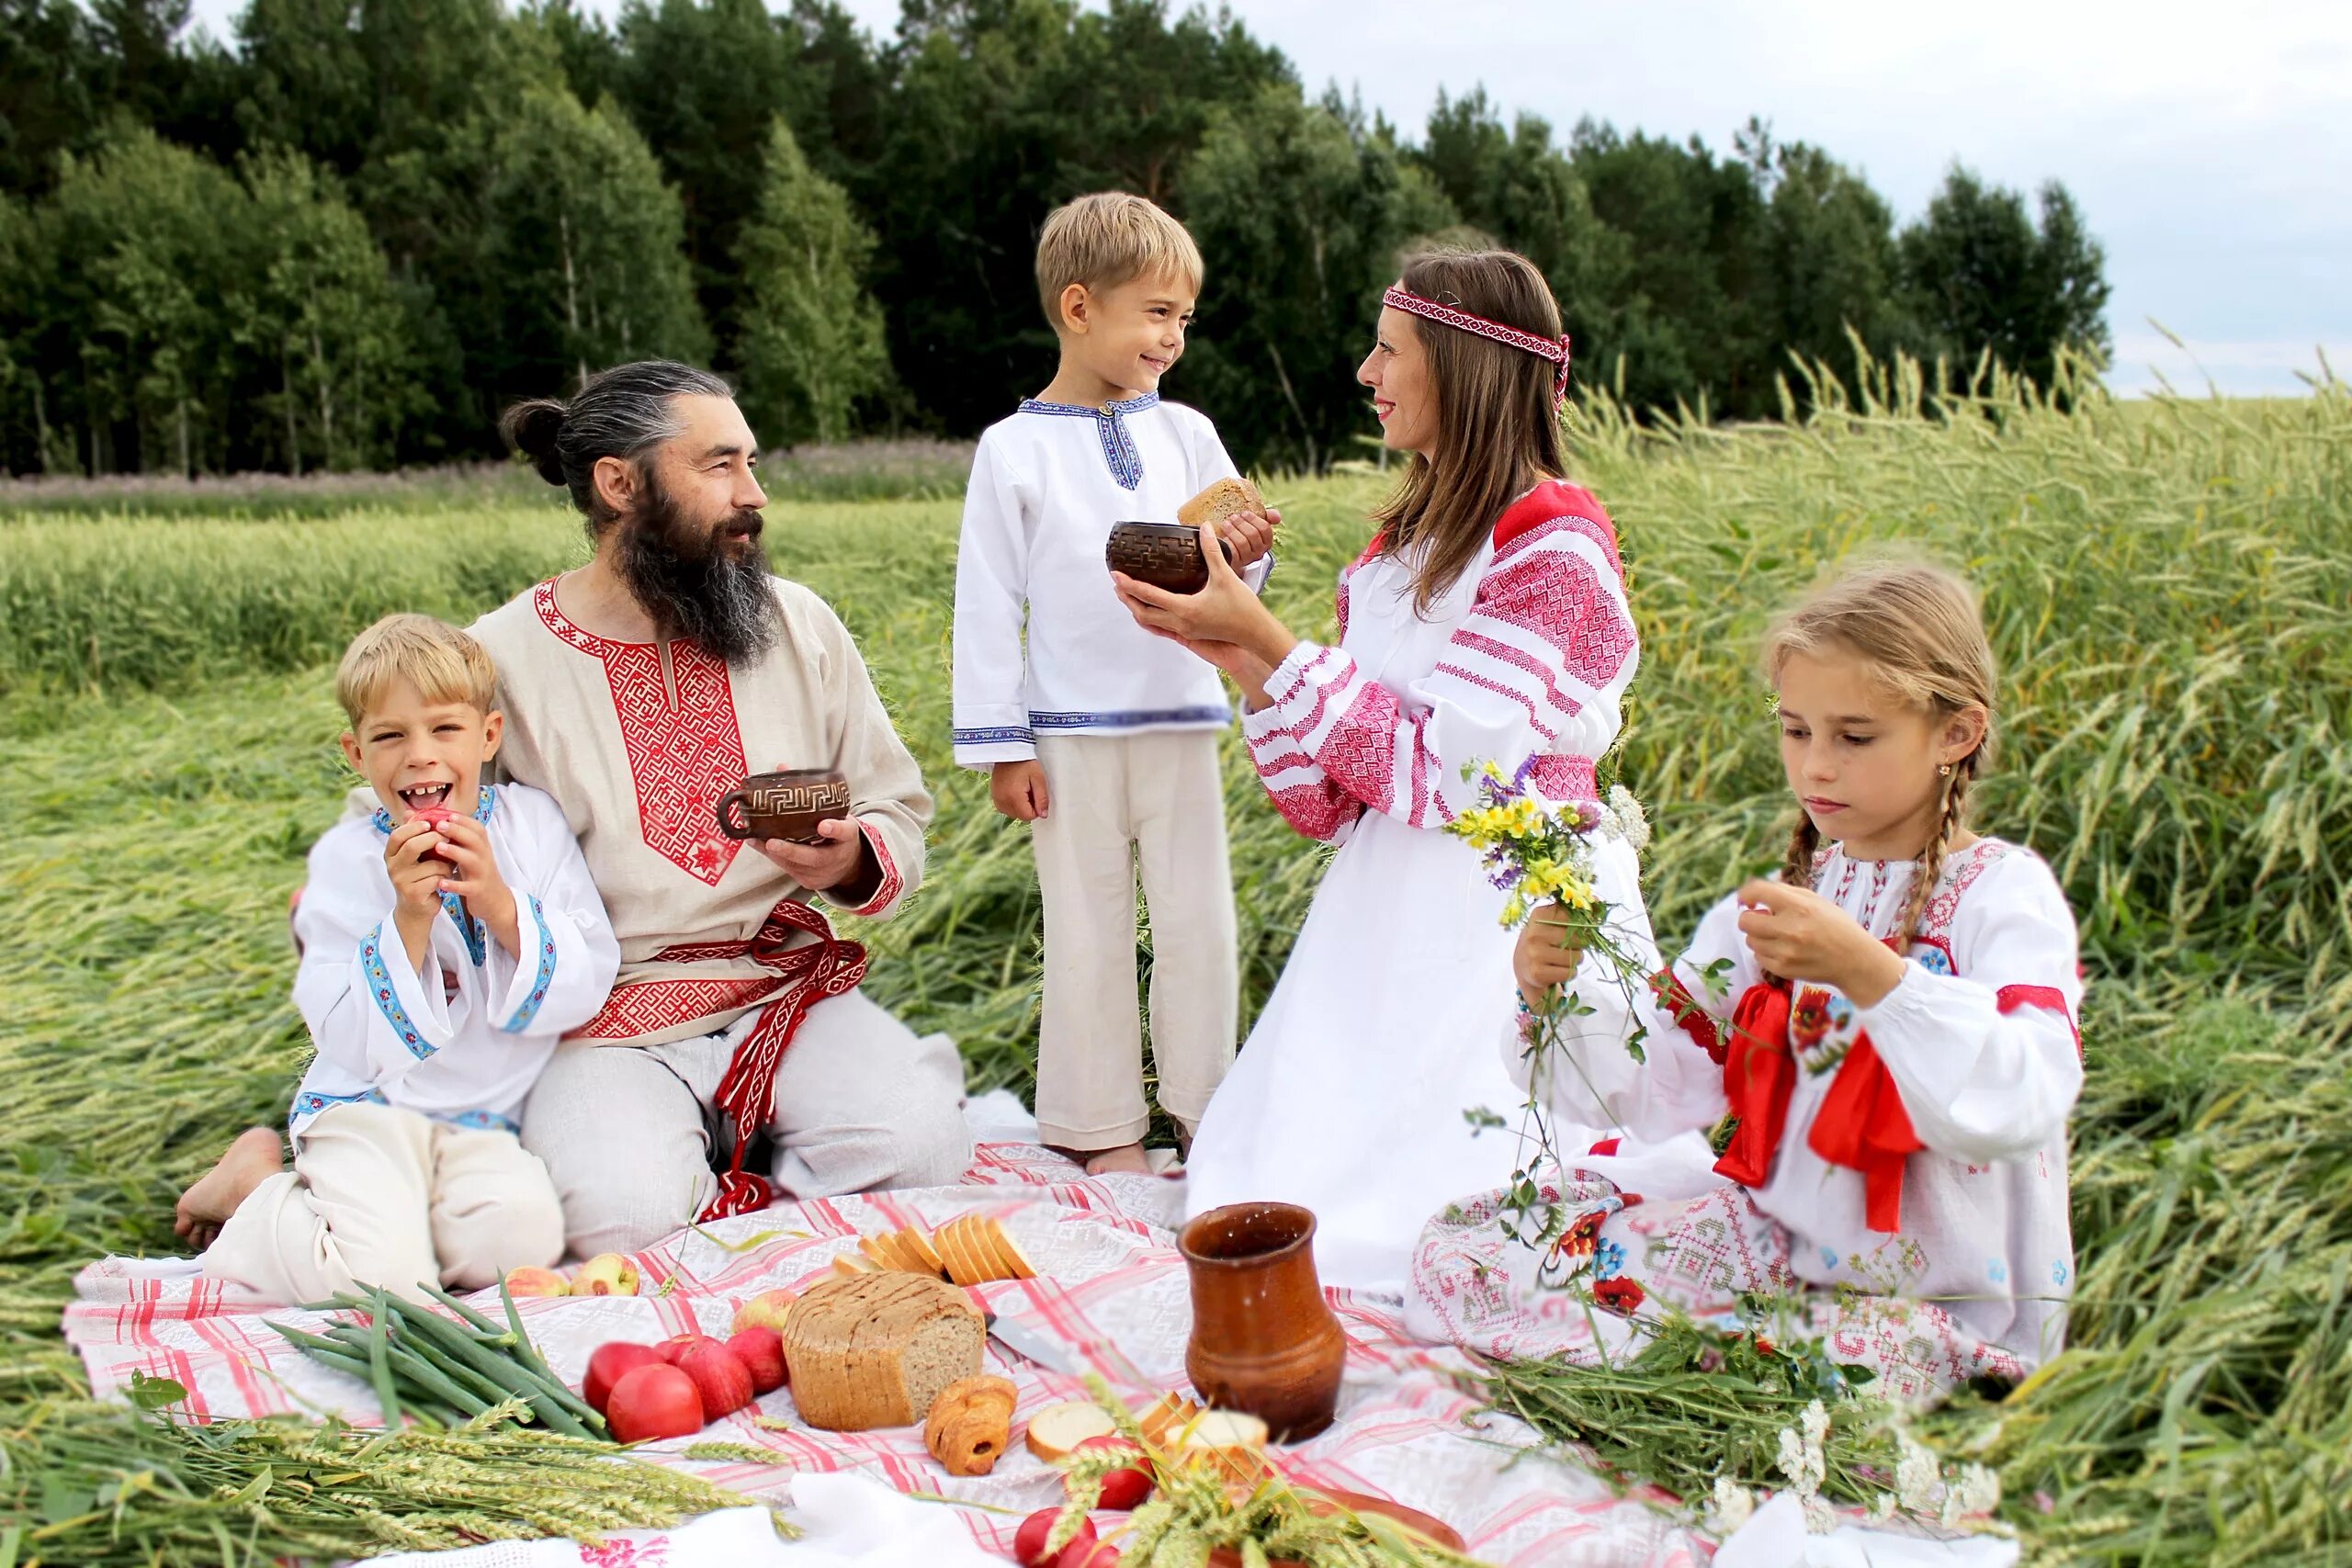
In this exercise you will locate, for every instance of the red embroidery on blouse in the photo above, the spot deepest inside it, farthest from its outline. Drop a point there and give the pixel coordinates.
(1558, 501)
(1684, 1009)
(681, 759)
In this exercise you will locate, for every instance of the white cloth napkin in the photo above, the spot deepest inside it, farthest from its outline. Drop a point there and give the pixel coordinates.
(1774, 1537)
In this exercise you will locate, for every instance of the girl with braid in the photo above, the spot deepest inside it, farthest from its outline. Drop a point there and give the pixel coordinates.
(1857, 1079)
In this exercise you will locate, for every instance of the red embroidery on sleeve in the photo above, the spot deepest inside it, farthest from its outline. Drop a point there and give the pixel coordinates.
(1684, 1009)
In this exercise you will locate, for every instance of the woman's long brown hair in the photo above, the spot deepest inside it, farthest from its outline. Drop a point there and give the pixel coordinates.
(1499, 433)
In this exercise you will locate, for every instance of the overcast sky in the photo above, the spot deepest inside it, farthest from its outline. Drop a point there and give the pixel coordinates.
(2209, 146)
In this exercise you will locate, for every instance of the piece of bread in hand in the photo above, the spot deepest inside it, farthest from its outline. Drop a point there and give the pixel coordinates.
(1219, 502)
(970, 1425)
(1056, 1431)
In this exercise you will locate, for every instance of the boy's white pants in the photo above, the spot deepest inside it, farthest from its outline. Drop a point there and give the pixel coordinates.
(1117, 805)
(385, 1197)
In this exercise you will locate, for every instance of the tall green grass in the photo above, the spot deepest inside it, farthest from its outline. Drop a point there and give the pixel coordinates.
(2171, 598)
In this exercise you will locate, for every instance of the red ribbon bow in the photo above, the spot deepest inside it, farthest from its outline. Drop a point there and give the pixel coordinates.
(1862, 1123)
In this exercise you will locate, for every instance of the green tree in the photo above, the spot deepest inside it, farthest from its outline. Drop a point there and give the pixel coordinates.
(142, 237)
(1832, 266)
(52, 74)
(702, 81)
(1981, 275)
(316, 308)
(1301, 212)
(812, 343)
(583, 252)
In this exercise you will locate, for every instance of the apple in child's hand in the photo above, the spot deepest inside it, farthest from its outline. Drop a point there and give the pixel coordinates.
(761, 1352)
(536, 1282)
(610, 1364)
(767, 1310)
(719, 1377)
(433, 817)
(653, 1402)
(606, 1274)
(1121, 1489)
(1029, 1540)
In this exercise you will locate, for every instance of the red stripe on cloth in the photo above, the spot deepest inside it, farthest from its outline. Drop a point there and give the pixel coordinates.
(2009, 999)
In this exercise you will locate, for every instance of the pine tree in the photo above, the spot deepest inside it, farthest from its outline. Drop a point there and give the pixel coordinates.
(811, 343)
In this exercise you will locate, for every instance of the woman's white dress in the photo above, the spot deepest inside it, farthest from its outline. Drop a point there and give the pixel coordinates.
(1352, 1092)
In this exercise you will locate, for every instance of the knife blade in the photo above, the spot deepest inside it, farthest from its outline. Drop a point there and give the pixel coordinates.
(1030, 1344)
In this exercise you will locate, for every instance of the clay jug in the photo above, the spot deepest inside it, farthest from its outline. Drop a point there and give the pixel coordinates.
(1263, 1342)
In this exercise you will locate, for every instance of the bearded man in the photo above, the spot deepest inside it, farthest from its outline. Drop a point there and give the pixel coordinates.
(638, 689)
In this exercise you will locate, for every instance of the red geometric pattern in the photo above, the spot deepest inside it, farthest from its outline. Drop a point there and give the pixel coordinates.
(682, 757)
(1556, 500)
(649, 1005)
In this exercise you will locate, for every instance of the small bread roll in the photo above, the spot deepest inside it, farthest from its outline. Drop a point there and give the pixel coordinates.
(970, 1425)
(1219, 502)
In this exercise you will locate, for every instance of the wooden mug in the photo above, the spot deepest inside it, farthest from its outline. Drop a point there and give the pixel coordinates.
(787, 804)
(1166, 555)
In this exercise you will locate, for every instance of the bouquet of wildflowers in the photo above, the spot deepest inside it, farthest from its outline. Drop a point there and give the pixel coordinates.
(1542, 853)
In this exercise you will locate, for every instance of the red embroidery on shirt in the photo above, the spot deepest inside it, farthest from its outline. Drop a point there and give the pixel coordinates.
(681, 759)
(650, 1006)
(891, 881)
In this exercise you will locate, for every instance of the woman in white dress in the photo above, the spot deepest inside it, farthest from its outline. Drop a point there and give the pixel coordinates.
(1487, 622)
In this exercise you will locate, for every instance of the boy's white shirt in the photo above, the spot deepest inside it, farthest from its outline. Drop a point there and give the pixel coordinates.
(1045, 488)
(465, 1041)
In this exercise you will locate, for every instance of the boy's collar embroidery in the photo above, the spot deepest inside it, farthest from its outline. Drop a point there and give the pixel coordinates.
(1118, 446)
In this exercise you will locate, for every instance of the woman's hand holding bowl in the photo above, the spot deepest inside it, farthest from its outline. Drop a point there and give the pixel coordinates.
(1224, 623)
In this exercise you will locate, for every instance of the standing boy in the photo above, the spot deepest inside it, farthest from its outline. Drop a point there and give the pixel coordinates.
(1101, 736)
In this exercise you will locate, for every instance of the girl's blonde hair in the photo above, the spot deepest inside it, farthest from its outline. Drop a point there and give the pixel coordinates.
(443, 664)
(1499, 433)
(1919, 631)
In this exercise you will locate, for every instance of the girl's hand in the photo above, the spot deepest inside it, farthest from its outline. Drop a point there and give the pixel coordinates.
(1796, 933)
(478, 882)
(1224, 612)
(1249, 535)
(1544, 957)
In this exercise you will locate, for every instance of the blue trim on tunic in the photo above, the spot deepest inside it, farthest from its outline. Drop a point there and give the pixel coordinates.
(530, 1007)
(1004, 734)
(388, 1002)
(1220, 714)
(1119, 451)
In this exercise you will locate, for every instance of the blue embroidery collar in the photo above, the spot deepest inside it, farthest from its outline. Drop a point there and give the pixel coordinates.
(1118, 445)
(477, 934)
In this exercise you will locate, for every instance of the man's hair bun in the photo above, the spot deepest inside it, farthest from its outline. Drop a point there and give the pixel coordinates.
(533, 429)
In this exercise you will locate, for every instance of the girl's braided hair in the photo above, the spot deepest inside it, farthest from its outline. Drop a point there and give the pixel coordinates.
(1918, 629)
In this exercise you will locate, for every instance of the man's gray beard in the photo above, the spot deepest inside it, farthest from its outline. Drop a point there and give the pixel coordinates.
(693, 587)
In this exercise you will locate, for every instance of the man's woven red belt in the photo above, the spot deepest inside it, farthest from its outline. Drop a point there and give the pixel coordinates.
(798, 978)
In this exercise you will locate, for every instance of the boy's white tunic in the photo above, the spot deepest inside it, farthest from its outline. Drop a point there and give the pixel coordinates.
(1046, 485)
(464, 1040)
(1979, 1039)
(1350, 1096)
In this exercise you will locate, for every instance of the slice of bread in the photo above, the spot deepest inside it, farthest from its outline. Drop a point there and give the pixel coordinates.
(1221, 501)
(913, 1240)
(1056, 1431)
(1015, 1260)
(966, 1264)
(1164, 1420)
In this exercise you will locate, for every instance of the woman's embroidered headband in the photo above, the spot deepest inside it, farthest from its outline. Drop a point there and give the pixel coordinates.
(1554, 349)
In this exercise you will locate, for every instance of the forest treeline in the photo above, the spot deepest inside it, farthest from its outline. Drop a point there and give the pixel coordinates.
(345, 235)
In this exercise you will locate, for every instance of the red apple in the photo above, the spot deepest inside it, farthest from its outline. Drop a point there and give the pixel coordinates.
(1121, 1489)
(654, 1401)
(1088, 1554)
(610, 1364)
(719, 1377)
(532, 1282)
(433, 815)
(761, 1352)
(1029, 1542)
(678, 1344)
(767, 1310)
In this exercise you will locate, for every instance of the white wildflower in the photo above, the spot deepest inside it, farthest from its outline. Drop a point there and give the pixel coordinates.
(1626, 817)
(1916, 1479)
(1792, 1457)
(1884, 1509)
(1816, 1421)
(1980, 1491)
(1734, 1504)
(1819, 1517)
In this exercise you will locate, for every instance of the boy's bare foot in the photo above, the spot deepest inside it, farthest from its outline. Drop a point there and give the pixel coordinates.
(1126, 1160)
(253, 1158)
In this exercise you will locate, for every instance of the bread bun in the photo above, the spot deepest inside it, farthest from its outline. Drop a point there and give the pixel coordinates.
(1219, 502)
(970, 1424)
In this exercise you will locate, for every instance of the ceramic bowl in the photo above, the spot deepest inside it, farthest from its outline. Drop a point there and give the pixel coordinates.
(787, 804)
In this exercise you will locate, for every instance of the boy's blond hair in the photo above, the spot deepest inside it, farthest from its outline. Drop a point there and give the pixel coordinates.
(1107, 239)
(443, 664)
